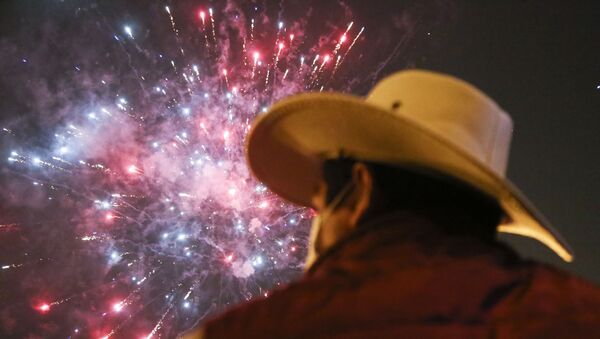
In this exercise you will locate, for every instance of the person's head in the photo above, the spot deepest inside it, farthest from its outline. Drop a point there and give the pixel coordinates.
(417, 116)
(353, 192)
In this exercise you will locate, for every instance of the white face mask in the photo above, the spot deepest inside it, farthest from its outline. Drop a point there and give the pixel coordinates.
(317, 224)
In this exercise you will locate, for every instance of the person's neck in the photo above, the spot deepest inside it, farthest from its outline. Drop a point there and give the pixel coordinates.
(450, 220)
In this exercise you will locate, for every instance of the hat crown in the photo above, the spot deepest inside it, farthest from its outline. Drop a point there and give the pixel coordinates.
(451, 108)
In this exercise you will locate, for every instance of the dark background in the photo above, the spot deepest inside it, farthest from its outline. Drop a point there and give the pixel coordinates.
(540, 60)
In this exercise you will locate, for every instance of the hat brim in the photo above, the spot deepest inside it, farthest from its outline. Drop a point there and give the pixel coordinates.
(286, 146)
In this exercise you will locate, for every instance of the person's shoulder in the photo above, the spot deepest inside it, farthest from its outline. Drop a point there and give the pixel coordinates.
(554, 278)
(552, 303)
(560, 291)
(266, 317)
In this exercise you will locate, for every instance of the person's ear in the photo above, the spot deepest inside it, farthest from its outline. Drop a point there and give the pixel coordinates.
(363, 189)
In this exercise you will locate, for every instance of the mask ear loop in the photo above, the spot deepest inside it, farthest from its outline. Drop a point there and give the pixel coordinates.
(337, 200)
(317, 223)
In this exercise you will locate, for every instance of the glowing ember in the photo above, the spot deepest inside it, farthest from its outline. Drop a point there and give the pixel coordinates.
(44, 308)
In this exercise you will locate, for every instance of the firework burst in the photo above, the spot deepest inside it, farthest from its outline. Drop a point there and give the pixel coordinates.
(151, 180)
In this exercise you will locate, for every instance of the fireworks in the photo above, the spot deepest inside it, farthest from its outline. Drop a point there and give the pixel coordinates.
(151, 180)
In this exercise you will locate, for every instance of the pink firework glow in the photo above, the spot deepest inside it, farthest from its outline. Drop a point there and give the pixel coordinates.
(155, 220)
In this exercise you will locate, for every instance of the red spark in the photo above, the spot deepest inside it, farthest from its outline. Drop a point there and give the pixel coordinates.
(133, 169)
(118, 307)
(43, 308)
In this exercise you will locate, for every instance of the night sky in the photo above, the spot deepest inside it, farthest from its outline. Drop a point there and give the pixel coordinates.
(112, 83)
(539, 61)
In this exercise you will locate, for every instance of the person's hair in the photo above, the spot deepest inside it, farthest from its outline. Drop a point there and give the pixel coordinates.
(454, 206)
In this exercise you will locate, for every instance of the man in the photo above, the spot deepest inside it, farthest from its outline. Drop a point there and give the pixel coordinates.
(410, 189)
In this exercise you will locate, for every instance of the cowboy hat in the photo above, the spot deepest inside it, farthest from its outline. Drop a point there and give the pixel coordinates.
(412, 118)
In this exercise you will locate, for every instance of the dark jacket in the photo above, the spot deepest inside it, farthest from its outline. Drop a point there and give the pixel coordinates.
(401, 278)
